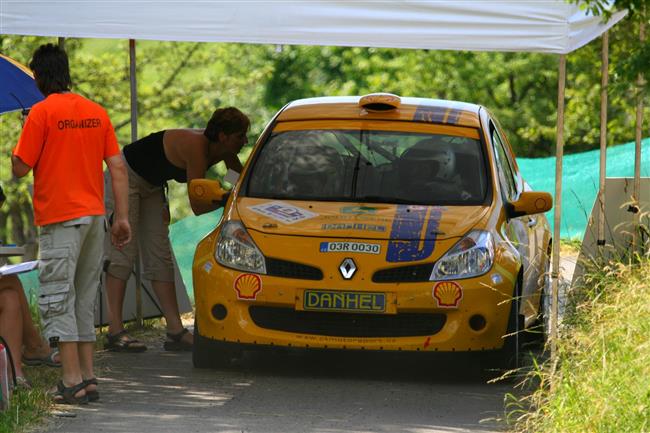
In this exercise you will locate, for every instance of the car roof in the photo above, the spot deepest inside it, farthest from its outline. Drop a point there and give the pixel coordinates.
(410, 109)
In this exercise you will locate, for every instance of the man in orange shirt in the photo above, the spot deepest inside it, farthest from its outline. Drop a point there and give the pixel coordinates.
(64, 141)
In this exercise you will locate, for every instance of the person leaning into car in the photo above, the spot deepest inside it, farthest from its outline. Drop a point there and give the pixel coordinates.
(64, 141)
(181, 155)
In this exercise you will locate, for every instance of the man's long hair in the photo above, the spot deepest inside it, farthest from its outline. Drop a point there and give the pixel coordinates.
(51, 69)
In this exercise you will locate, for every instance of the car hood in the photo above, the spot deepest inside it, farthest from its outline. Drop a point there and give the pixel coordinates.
(357, 220)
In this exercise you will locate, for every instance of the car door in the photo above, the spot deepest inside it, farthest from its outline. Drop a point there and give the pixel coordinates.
(515, 229)
(525, 231)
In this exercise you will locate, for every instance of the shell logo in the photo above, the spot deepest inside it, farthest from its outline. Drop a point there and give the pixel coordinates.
(248, 286)
(448, 294)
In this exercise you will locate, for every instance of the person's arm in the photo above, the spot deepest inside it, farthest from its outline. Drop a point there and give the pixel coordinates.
(18, 167)
(120, 229)
(196, 167)
(233, 163)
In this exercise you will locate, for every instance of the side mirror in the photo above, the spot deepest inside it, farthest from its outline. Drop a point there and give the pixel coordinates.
(207, 193)
(529, 203)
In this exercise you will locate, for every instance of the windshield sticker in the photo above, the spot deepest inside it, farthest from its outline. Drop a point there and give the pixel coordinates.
(437, 115)
(354, 226)
(406, 234)
(248, 286)
(283, 212)
(349, 247)
(358, 210)
(448, 294)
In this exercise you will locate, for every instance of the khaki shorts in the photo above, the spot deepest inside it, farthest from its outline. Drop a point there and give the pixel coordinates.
(69, 274)
(149, 219)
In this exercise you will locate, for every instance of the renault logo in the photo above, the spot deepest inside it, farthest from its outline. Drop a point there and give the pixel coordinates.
(347, 268)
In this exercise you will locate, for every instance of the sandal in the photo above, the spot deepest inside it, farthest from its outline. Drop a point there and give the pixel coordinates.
(92, 395)
(175, 342)
(67, 394)
(121, 342)
(46, 360)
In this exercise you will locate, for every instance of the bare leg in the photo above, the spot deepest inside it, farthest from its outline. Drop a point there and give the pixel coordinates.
(34, 345)
(10, 315)
(86, 350)
(115, 290)
(70, 365)
(166, 293)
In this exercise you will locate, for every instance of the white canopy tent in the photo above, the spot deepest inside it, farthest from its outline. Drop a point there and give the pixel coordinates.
(543, 26)
(548, 26)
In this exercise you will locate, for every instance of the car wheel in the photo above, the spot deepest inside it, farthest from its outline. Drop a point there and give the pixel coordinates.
(208, 353)
(511, 352)
(542, 326)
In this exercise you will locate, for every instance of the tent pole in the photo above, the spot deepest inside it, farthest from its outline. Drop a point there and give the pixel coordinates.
(134, 137)
(637, 148)
(559, 152)
(604, 81)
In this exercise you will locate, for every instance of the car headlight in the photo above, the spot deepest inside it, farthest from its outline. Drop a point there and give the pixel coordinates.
(470, 257)
(236, 249)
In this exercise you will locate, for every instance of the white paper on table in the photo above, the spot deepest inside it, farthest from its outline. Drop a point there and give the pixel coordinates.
(19, 268)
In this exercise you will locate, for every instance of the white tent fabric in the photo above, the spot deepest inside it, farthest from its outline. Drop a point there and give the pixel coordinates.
(548, 26)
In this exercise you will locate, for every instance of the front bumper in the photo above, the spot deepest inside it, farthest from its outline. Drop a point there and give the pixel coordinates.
(272, 316)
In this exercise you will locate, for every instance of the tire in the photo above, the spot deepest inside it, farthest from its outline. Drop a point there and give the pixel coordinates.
(209, 353)
(542, 328)
(510, 356)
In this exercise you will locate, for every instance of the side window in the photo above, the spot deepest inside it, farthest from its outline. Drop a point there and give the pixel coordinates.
(506, 176)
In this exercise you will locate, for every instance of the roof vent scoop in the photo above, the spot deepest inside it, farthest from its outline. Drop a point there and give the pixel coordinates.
(380, 102)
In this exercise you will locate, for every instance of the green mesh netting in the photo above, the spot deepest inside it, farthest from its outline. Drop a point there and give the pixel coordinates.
(580, 174)
(185, 235)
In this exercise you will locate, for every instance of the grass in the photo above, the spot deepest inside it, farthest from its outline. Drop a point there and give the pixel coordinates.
(29, 407)
(602, 379)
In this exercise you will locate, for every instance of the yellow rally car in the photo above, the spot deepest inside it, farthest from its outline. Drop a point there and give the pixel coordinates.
(373, 223)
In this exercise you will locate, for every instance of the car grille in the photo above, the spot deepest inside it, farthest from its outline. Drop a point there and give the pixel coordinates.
(347, 324)
(286, 269)
(404, 274)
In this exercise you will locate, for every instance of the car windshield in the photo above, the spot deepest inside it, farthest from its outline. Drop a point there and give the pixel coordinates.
(370, 166)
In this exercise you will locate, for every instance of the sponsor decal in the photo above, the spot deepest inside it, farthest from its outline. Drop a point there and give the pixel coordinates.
(437, 115)
(357, 217)
(207, 267)
(283, 212)
(248, 286)
(350, 247)
(354, 226)
(323, 339)
(358, 210)
(448, 294)
(409, 242)
(370, 302)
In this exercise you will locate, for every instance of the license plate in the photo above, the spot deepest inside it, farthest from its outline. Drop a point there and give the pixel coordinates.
(349, 247)
(335, 300)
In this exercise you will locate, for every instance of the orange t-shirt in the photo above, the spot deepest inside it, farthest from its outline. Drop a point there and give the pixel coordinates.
(65, 140)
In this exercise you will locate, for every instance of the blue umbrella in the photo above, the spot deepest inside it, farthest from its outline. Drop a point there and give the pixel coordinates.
(18, 89)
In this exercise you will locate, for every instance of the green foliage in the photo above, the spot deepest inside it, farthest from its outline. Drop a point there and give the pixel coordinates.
(635, 56)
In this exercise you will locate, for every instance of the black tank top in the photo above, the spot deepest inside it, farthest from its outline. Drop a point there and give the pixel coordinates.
(146, 157)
